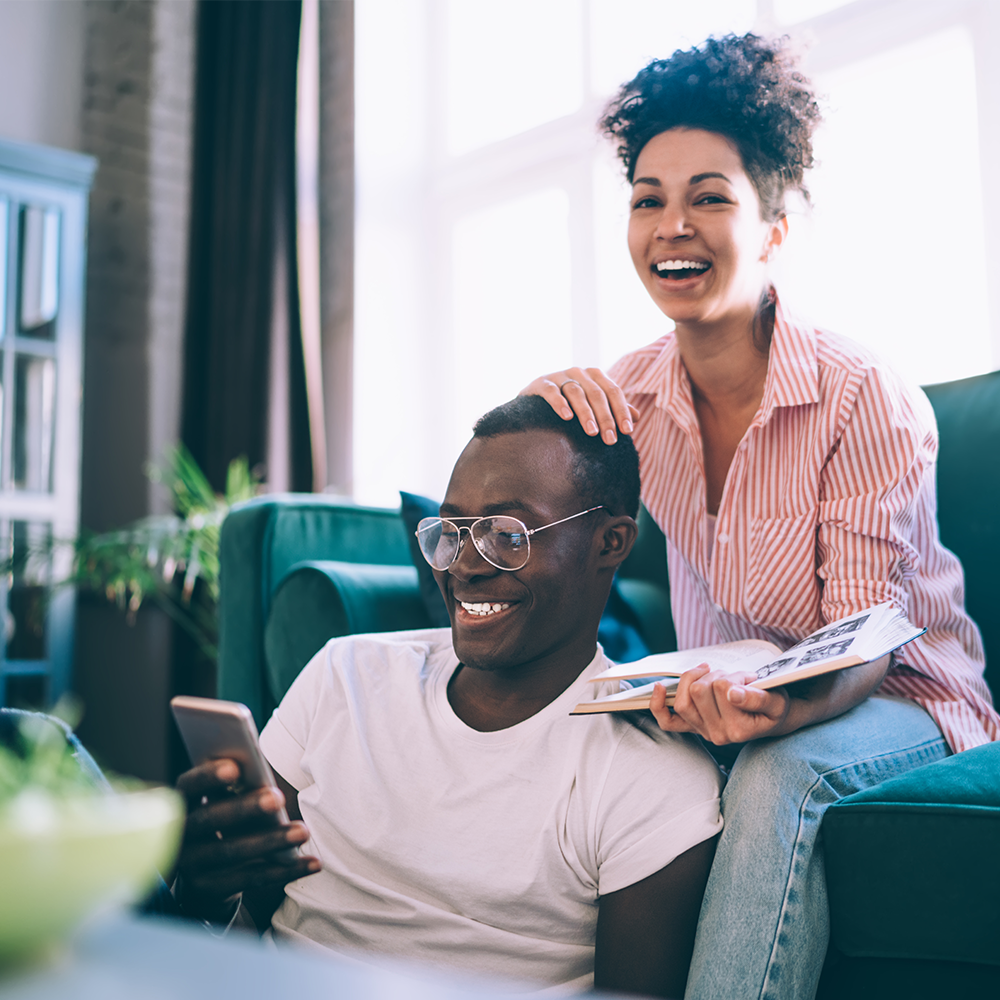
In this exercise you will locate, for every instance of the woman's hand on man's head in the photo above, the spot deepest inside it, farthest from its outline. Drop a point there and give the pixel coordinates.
(721, 707)
(590, 396)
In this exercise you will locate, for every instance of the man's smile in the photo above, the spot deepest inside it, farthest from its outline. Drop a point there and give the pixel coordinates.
(483, 609)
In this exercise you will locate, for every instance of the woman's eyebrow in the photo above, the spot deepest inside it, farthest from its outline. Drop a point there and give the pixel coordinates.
(698, 178)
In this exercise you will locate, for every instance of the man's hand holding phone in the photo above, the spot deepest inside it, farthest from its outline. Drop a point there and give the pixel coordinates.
(234, 841)
(237, 837)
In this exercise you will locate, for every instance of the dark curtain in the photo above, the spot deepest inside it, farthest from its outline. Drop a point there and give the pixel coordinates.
(243, 236)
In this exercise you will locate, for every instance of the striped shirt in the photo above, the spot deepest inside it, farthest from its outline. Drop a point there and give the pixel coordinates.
(829, 507)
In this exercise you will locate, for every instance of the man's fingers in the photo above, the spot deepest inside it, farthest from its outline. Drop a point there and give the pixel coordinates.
(253, 809)
(209, 779)
(217, 853)
(221, 884)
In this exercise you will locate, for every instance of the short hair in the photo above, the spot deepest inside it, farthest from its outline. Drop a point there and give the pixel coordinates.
(605, 474)
(745, 88)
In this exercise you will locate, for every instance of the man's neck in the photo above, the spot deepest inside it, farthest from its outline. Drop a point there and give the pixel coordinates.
(491, 700)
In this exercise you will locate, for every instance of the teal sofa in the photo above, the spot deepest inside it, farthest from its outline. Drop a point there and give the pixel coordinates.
(913, 866)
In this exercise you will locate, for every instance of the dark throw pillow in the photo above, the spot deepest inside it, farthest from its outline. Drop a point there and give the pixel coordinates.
(414, 509)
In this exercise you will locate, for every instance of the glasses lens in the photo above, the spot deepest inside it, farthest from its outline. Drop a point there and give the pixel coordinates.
(502, 541)
(438, 541)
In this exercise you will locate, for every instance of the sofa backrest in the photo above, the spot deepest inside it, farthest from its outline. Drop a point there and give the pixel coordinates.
(264, 538)
(317, 537)
(968, 481)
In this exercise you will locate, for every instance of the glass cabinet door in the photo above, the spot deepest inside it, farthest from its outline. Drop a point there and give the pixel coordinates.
(43, 213)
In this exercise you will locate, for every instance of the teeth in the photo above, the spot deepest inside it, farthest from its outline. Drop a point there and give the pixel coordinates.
(681, 265)
(482, 610)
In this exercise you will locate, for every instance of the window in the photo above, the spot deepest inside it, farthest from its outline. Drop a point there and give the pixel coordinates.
(491, 216)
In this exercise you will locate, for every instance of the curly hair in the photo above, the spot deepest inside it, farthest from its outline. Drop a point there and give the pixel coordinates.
(745, 88)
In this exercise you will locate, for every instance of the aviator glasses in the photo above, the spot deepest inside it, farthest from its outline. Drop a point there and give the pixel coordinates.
(501, 540)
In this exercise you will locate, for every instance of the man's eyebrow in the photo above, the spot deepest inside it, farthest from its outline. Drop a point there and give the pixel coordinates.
(505, 507)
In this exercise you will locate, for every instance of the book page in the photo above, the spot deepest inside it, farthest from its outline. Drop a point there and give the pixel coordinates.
(855, 639)
(747, 654)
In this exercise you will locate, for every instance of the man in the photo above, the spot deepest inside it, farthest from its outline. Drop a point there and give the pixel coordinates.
(461, 815)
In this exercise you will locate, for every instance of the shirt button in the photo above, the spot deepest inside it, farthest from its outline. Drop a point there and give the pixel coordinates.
(718, 607)
(723, 538)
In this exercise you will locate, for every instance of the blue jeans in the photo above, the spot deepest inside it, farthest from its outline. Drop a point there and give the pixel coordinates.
(765, 920)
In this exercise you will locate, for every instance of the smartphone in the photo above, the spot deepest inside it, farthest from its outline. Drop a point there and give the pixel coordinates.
(212, 729)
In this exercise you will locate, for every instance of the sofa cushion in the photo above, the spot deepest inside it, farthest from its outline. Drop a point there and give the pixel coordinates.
(318, 600)
(912, 865)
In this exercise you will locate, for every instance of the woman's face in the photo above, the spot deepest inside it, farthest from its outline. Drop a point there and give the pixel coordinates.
(693, 204)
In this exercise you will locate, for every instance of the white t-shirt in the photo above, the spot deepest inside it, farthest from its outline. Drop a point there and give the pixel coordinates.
(482, 852)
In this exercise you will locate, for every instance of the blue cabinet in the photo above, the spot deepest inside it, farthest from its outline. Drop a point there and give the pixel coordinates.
(43, 234)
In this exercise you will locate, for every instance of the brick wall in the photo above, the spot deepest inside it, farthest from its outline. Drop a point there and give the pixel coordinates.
(136, 118)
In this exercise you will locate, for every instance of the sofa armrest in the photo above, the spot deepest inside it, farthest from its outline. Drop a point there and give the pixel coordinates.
(320, 599)
(912, 864)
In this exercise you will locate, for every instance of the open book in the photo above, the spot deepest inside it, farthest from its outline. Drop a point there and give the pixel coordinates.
(858, 638)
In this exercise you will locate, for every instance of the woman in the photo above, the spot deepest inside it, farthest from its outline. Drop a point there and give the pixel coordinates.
(793, 475)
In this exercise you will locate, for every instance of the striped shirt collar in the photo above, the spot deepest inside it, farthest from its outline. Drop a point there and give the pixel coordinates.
(792, 370)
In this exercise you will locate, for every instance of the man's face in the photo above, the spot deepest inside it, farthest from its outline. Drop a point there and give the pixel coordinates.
(550, 607)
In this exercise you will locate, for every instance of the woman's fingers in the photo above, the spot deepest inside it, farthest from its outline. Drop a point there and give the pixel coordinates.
(665, 716)
(596, 400)
(723, 708)
(547, 387)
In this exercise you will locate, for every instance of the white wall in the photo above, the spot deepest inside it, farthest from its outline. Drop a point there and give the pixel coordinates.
(41, 71)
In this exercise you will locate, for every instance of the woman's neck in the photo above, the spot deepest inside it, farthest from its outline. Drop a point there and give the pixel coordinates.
(725, 365)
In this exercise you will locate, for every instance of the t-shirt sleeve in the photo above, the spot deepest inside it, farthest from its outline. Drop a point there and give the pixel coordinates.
(660, 799)
(286, 734)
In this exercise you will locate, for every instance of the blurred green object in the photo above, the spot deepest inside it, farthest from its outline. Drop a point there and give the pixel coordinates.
(70, 844)
(65, 859)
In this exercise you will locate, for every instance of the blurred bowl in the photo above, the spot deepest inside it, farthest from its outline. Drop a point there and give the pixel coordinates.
(63, 860)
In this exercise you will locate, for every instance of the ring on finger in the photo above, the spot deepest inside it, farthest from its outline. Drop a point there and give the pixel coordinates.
(567, 382)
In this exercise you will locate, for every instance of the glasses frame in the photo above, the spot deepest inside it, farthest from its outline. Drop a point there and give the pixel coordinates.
(528, 532)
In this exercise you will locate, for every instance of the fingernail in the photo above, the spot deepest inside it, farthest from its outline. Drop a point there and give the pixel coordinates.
(627, 426)
(591, 428)
(737, 696)
(228, 771)
(610, 437)
(268, 802)
(567, 414)
(314, 866)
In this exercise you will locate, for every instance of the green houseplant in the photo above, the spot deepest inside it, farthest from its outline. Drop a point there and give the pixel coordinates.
(172, 560)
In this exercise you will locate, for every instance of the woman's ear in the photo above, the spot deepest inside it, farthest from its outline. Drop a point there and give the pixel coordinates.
(617, 539)
(777, 233)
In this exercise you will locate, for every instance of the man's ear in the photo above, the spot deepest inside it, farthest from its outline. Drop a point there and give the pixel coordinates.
(617, 538)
